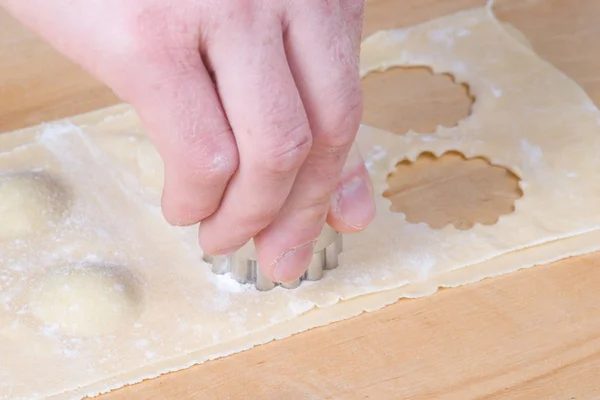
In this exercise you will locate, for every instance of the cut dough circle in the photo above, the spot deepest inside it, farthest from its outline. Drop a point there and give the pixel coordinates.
(31, 201)
(87, 300)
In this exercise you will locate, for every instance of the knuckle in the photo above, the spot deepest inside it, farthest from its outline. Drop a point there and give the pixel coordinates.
(208, 161)
(288, 150)
(341, 124)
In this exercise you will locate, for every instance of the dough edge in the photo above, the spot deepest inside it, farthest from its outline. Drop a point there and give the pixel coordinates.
(540, 254)
(507, 263)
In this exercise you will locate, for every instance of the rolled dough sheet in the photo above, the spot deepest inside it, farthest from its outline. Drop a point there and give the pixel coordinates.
(97, 291)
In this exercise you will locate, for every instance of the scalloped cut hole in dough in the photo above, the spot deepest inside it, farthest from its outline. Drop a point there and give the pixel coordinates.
(452, 190)
(421, 100)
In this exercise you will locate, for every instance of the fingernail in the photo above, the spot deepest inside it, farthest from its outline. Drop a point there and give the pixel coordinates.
(356, 204)
(293, 263)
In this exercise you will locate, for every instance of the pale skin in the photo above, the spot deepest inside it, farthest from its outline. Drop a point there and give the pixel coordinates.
(253, 106)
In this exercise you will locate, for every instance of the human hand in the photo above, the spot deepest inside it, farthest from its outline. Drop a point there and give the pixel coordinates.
(253, 106)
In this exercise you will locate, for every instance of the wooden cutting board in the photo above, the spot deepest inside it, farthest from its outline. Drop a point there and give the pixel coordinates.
(534, 334)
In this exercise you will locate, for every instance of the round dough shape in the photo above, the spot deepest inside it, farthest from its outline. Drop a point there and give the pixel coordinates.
(87, 300)
(31, 201)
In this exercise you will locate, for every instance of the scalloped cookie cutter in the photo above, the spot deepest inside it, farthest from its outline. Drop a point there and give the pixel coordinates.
(243, 266)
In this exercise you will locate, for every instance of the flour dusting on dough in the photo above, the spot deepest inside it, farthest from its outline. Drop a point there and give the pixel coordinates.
(541, 126)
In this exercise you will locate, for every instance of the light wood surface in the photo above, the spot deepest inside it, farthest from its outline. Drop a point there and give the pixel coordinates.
(534, 334)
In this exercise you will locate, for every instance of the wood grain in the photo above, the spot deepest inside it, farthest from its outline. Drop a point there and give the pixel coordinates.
(529, 335)
(37, 84)
(444, 103)
(452, 190)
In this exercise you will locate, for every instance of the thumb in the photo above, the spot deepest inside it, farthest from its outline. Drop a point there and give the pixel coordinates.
(352, 206)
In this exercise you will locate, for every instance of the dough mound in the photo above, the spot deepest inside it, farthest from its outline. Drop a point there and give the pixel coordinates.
(87, 300)
(31, 202)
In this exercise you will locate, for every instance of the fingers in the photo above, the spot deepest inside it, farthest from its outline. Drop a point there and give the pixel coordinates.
(323, 59)
(265, 110)
(177, 102)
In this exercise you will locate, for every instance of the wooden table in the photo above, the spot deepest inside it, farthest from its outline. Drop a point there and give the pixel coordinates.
(534, 334)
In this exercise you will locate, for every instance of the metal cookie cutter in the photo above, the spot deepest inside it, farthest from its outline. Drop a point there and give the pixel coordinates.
(244, 268)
